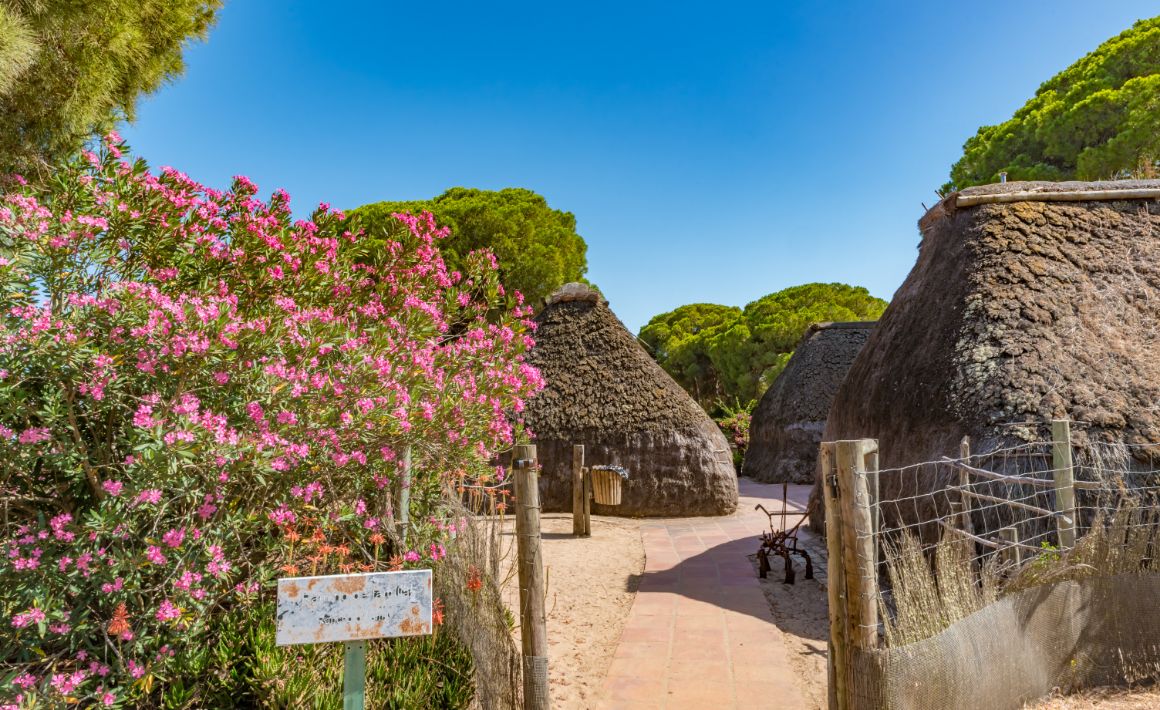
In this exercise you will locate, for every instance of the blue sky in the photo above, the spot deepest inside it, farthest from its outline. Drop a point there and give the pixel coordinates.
(710, 153)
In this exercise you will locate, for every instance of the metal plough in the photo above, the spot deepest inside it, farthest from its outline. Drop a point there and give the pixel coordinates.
(782, 542)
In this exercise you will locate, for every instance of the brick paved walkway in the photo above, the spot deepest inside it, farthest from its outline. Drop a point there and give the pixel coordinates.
(700, 634)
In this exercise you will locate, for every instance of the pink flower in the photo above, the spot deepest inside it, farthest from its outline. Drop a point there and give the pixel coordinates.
(168, 611)
(144, 418)
(310, 492)
(412, 556)
(58, 524)
(149, 495)
(254, 410)
(136, 670)
(154, 555)
(66, 684)
(108, 699)
(25, 680)
(174, 537)
(32, 436)
(32, 616)
(113, 488)
(282, 515)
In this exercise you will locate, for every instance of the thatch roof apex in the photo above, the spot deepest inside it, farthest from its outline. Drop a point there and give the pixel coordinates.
(575, 291)
(1047, 186)
(1040, 191)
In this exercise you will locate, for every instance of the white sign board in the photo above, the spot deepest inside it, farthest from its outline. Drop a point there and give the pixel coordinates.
(353, 607)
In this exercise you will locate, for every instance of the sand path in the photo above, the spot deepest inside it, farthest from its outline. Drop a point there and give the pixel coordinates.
(591, 584)
(689, 625)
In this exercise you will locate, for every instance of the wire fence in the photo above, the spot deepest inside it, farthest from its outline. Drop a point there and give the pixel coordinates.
(922, 547)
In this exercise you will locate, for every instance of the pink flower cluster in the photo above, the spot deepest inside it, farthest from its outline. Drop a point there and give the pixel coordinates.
(232, 374)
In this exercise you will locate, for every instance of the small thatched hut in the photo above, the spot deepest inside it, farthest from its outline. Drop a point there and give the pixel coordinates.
(1029, 301)
(791, 416)
(605, 392)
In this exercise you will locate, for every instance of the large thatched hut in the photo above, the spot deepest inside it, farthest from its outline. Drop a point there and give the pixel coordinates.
(1029, 301)
(605, 392)
(791, 416)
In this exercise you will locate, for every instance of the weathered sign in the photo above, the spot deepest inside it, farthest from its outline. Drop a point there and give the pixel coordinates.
(353, 607)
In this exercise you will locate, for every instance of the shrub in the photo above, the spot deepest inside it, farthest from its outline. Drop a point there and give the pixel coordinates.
(198, 393)
(734, 422)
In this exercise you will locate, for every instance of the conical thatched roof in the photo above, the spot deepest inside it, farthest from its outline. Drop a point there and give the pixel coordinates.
(1029, 301)
(605, 392)
(791, 416)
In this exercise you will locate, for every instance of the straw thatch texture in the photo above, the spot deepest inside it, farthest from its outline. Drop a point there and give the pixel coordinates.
(1018, 312)
(605, 392)
(788, 422)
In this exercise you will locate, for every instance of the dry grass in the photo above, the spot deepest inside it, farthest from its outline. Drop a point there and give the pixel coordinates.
(1101, 699)
(928, 595)
(926, 598)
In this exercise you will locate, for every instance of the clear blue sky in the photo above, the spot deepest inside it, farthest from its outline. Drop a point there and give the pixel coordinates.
(709, 153)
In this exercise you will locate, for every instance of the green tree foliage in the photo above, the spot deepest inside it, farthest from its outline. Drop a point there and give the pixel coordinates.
(680, 341)
(1099, 118)
(537, 247)
(71, 69)
(724, 355)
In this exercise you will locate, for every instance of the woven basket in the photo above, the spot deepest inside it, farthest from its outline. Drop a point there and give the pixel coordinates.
(606, 486)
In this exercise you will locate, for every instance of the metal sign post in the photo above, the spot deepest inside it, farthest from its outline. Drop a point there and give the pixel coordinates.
(353, 608)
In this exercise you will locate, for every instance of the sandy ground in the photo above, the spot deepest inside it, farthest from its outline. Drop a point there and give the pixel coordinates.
(591, 585)
(800, 610)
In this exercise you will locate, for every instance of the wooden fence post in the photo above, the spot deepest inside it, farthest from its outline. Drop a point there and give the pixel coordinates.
(1064, 477)
(870, 457)
(587, 500)
(1012, 554)
(957, 514)
(858, 542)
(578, 526)
(835, 581)
(964, 484)
(404, 509)
(533, 620)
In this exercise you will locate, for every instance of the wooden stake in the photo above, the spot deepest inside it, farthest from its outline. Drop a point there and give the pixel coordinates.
(405, 495)
(1064, 477)
(967, 525)
(578, 490)
(858, 543)
(587, 501)
(835, 582)
(956, 514)
(1013, 553)
(533, 620)
(870, 457)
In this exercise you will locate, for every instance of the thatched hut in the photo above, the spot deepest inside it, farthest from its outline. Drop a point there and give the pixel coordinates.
(791, 416)
(1029, 301)
(605, 392)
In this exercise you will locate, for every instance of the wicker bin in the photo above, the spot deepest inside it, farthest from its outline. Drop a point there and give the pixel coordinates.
(606, 486)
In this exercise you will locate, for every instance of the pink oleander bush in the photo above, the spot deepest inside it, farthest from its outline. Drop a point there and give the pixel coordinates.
(199, 394)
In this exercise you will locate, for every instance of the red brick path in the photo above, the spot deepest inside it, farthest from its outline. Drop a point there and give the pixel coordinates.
(700, 634)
